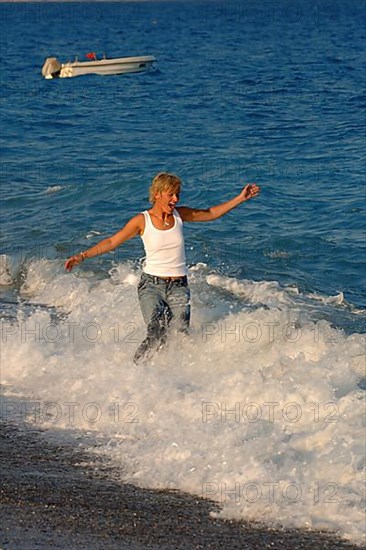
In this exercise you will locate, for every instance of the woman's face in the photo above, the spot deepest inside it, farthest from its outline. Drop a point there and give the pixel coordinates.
(168, 200)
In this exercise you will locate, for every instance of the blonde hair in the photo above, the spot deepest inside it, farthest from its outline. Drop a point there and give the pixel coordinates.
(164, 182)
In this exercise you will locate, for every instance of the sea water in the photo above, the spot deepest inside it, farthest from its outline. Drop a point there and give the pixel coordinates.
(261, 408)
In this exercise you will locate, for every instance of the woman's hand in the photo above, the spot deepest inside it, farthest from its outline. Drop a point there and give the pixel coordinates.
(250, 191)
(74, 260)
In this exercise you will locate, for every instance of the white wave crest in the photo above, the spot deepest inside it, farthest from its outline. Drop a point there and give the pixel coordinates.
(256, 409)
(5, 270)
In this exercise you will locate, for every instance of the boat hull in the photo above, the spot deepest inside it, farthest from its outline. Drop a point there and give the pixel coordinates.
(121, 65)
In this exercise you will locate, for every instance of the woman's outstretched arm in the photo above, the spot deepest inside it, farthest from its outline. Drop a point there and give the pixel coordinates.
(132, 228)
(199, 215)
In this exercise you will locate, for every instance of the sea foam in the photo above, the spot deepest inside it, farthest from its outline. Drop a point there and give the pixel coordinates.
(260, 408)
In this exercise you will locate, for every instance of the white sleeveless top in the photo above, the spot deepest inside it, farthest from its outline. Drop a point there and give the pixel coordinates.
(165, 254)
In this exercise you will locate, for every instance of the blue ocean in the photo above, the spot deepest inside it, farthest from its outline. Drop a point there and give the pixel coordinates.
(261, 408)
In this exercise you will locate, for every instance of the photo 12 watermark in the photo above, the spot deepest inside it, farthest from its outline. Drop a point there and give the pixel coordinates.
(63, 174)
(70, 332)
(268, 170)
(66, 13)
(50, 91)
(271, 492)
(267, 12)
(252, 332)
(265, 94)
(269, 411)
(70, 412)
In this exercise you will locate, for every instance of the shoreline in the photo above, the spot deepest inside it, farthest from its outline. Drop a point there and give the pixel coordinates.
(51, 499)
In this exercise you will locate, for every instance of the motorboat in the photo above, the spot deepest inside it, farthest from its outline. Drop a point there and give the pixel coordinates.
(52, 68)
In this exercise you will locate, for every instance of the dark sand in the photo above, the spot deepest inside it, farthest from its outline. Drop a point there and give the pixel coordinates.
(48, 500)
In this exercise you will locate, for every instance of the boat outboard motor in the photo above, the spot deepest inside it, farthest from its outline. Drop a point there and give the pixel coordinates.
(51, 68)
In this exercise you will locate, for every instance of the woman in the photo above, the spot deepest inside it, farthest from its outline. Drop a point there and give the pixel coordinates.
(163, 288)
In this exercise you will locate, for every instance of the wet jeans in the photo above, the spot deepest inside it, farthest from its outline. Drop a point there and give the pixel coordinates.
(165, 305)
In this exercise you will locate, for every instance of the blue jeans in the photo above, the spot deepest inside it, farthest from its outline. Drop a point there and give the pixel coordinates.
(164, 304)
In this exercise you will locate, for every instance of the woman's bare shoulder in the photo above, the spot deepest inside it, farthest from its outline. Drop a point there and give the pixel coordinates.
(139, 222)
